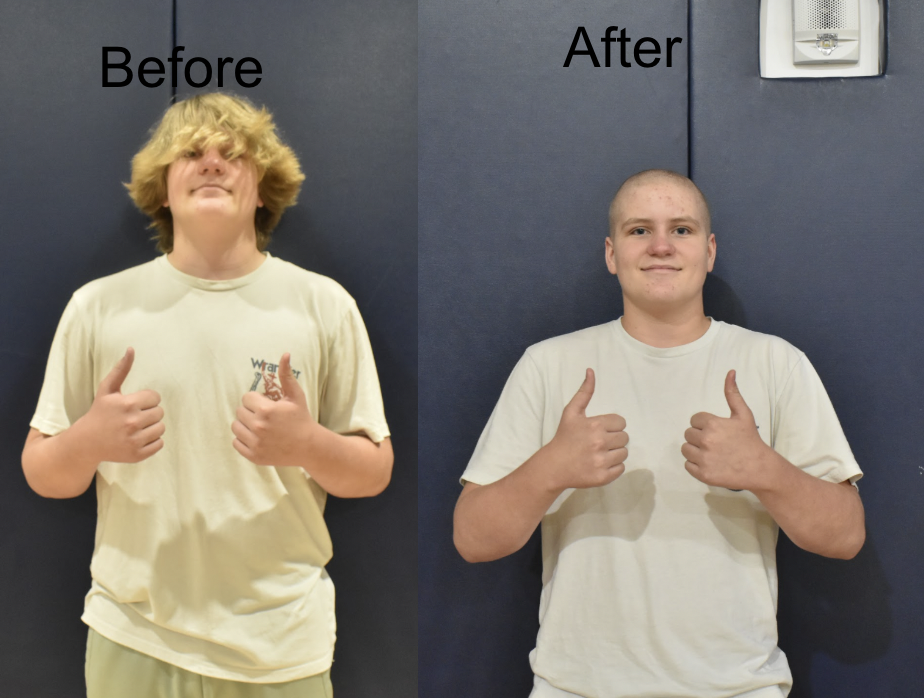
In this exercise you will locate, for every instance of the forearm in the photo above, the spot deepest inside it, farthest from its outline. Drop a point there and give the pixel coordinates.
(819, 516)
(348, 466)
(61, 466)
(497, 519)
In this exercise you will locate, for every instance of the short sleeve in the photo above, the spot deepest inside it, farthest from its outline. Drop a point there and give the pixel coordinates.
(514, 432)
(351, 399)
(807, 432)
(68, 390)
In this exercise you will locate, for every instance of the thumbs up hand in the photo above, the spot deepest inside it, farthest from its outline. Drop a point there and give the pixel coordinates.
(125, 427)
(275, 432)
(729, 451)
(589, 451)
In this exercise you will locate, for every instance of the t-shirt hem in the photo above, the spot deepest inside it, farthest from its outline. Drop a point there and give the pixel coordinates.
(47, 427)
(284, 675)
(376, 434)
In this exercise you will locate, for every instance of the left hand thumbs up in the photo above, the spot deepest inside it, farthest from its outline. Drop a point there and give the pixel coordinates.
(725, 451)
(739, 409)
(291, 389)
(271, 432)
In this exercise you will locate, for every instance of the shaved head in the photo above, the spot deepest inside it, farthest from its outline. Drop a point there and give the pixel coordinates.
(647, 177)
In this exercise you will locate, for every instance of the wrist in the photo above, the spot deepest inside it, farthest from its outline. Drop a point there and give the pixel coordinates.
(770, 472)
(83, 442)
(310, 444)
(547, 467)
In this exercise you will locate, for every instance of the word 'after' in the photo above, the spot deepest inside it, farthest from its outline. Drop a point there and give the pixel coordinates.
(637, 50)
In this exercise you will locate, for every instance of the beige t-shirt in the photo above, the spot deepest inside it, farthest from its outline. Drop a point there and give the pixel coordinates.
(202, 558)
(657, 584)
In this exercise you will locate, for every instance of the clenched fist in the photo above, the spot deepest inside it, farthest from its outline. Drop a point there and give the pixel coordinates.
(125, 427)
(726, 452)
(275, 432)
(589, 451)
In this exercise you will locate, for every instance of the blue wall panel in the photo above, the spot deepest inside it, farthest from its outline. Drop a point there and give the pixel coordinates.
(816, 193)
(340, 77)
(65, 147)
(519, 158)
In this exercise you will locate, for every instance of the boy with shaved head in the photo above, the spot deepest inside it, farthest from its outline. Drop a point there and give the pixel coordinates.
(217, 394)
(661, 453)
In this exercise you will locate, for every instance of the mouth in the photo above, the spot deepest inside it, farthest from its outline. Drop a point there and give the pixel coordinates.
(660, 268)
(210, 186)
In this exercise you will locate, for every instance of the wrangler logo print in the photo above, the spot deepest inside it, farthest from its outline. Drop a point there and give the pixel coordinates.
(267, 373)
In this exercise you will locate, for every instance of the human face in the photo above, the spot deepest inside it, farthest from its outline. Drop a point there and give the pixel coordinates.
(660, 248)
(207, 186)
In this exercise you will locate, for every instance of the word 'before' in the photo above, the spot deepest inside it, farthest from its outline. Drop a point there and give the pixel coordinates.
(154, 67)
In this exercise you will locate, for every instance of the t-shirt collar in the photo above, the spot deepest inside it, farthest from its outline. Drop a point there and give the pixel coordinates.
(215, 285)
(638, 346)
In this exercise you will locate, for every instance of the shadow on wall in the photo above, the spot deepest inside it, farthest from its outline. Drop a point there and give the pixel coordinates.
(721, 302)
(837, 608)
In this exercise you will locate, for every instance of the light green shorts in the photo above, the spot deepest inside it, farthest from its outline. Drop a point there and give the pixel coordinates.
(115, 671)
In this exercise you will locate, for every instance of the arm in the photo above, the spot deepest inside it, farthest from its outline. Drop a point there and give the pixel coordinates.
(348, 466)
(62, 466)
(495, 520)
(117, 428)
(284, 434)
(818, 516)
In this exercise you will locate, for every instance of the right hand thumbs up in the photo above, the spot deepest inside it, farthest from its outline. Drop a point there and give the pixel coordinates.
(112, 383)
(580, 401)
(590, 451)
(124, 427)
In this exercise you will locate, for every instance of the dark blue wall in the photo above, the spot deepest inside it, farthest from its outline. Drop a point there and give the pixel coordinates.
(519, 158)
(340, 78)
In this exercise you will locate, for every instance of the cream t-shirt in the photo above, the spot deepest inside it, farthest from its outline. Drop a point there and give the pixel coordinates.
(202, 558)
(657, 584)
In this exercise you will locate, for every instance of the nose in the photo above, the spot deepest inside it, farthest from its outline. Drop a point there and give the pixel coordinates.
(660, 244)
(212, 162)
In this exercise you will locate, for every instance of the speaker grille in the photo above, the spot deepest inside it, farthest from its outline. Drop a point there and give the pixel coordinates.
(819, 15)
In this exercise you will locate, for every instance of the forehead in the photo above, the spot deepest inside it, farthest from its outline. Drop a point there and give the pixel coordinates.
(657, 198)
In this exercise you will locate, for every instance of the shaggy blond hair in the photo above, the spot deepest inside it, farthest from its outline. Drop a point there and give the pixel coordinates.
(222, 121)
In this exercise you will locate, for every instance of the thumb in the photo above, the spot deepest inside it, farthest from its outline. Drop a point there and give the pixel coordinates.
(735, 400)
(584, 394)
(290, 386)
(112, 383)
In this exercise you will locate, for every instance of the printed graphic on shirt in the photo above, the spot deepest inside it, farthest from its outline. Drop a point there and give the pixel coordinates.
(267, 373)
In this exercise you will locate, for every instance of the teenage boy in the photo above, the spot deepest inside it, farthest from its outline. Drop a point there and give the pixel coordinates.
(217, 395)
(662, 483)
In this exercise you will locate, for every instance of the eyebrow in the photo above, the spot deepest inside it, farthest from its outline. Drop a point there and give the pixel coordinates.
(676, 220)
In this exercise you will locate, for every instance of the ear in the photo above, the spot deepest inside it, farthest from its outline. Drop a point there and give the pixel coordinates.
(611, 256)
(711, 252)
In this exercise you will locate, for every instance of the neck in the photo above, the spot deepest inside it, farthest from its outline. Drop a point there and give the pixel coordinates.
(665, 328)
(215, 255)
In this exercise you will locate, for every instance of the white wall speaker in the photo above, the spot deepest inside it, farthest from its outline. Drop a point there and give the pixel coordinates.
(826, 31)
(821, 38)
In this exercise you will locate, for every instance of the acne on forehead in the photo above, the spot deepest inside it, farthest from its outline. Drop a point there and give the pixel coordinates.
(661, 187)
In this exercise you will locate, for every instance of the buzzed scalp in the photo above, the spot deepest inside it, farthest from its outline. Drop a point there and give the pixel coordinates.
(654, 175)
